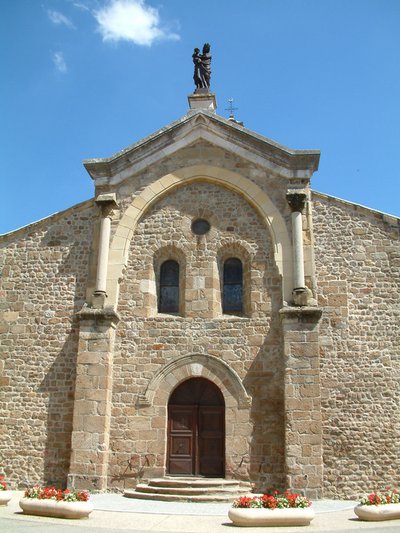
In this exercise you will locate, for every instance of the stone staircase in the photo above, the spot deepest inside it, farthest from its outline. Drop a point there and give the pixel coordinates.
(189, 489)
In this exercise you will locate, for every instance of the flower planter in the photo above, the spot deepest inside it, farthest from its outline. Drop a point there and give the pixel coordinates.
(271, 517)
(388, 511)
(5, 496)
(57, 509)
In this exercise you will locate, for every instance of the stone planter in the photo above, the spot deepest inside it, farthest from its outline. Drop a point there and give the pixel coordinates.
(5, 496)
(56, 509)
(271, 517)
(388, 511)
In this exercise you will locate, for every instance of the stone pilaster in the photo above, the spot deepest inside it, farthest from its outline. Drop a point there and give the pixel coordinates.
(296, 200)
(106, 203)
(303, 424)
(92, 408)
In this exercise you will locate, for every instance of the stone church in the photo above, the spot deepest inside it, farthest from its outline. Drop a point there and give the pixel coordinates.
(205, 315)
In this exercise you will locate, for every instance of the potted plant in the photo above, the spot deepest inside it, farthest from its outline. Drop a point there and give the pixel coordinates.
(273, 509)
(5, 494)
(50, 501)
(382, 505)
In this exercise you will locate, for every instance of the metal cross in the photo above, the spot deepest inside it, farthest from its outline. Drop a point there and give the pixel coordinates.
(231, 109)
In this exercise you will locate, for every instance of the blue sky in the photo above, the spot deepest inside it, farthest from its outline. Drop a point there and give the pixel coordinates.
(86, 78)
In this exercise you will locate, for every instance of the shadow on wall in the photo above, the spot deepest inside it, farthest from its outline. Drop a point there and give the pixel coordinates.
(59, 383)
(135, 469)
(59, 386)
(264, 381)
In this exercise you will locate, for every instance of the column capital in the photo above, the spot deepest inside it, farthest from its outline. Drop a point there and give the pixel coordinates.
(106, 202)
(296, 200)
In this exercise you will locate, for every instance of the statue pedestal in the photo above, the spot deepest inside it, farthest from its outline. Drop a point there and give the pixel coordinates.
(202, 99)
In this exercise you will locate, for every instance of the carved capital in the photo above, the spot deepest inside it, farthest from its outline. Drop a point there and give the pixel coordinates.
(296, 200)
(107, 204)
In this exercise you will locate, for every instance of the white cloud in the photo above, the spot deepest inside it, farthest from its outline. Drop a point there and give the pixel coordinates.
(131, 20)
(58, 18)
(81, 6)
(59, 62)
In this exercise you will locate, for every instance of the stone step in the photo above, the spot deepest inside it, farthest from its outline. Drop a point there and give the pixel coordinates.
(189, 489)
(195, 482)
(200, 498)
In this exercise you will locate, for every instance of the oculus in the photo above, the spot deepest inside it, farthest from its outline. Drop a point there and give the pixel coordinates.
(200, 226)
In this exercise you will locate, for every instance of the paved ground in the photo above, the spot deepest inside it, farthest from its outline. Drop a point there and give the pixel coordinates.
(115, 514)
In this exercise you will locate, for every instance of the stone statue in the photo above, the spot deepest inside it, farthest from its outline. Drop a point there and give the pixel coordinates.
(202, 67)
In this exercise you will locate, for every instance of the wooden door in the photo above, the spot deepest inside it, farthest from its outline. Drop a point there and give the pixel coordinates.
(182, 439)
(196, 430)
(211, 443)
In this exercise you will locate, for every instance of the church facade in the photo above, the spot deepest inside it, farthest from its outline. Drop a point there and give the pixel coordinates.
(206, 314)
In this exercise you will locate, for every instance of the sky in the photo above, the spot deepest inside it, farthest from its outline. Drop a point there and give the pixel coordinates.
(83, 79)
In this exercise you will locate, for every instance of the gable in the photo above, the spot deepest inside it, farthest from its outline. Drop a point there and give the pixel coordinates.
(207, 127)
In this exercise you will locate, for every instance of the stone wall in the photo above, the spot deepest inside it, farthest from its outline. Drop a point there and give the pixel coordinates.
(202, 154)
(281, 361)
(43, 283)
(357, 254)
(147, 341)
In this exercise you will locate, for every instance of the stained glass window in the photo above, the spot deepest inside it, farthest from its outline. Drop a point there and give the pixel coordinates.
(169, 287)
(232, 301)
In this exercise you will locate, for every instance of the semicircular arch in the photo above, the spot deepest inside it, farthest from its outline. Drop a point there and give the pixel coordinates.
(252, 193)
(210, 367)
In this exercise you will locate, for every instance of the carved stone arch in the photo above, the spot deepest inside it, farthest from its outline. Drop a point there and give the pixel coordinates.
(241, 250)
(251, 192)
(199, 365)
(170, 251)
(238, 425)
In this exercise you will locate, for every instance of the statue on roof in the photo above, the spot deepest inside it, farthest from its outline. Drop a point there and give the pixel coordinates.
(202, 67)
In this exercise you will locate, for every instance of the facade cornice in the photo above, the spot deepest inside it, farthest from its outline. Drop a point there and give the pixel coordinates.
(204, 125)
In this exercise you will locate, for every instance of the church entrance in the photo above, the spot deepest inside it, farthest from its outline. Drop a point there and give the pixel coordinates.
(196, 430)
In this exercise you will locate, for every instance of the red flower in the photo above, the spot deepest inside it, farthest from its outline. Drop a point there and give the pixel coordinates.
(374, 499)
(244, 501)
(83, 496)
(51, 493)
(269, 501)
(291, 499)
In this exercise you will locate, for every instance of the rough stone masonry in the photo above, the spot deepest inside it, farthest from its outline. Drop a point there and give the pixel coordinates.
(309, 368)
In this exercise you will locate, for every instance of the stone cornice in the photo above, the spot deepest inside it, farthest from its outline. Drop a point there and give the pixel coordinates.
(206, 125)
(90, 313)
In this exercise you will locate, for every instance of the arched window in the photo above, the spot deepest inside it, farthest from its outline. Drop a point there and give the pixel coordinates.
(168, 301)
(232, 297)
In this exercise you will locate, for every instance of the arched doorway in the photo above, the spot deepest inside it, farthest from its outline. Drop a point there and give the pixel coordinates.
(196, 430)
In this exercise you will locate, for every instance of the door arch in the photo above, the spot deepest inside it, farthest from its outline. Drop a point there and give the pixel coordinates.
(196, 430)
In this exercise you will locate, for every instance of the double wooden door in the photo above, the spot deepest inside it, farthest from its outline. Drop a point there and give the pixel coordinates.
(196, 436)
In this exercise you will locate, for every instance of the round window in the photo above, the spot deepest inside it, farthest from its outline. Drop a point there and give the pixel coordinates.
(200, 226)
